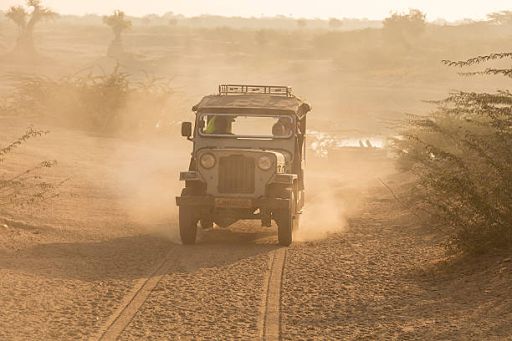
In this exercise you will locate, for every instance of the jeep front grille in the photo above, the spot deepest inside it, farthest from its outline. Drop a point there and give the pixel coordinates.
(236, 174)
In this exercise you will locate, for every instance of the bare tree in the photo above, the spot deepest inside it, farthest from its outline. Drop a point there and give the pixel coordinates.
(118, 23)
(26, 19)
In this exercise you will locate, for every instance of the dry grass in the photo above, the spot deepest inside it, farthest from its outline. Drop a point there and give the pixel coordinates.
(107, 103)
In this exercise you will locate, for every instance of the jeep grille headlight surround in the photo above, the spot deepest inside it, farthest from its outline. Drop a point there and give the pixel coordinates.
(207, 161)
(265, 163)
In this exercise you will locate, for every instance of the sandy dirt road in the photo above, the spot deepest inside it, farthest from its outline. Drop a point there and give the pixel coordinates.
(105, 262)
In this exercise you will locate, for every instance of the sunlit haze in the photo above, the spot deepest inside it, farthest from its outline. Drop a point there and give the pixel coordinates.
(371, 9)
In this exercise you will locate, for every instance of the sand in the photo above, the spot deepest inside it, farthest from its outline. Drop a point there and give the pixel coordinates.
(376, 273)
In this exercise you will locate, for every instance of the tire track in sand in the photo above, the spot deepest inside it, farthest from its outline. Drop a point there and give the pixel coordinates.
(123, 315)
(271, 315)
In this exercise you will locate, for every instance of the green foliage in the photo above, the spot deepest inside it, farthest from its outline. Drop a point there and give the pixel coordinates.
(26, 187)
(107, 103)
(462, 155)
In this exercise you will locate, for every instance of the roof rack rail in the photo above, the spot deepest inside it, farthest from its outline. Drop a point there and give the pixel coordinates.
(229, 89)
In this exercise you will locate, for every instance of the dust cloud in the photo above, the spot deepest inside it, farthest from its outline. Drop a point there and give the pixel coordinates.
(145, 178)
(322, 216)
(335, 188)
(356, 80)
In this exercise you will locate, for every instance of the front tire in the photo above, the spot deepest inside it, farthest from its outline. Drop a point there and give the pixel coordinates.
(188, 225)
(188, 219)
(287, 221)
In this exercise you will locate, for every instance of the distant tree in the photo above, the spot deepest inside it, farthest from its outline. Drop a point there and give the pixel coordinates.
(400, 26)
(26, 19)
(466, 21)
(196, 21)
(150, 19)
(168, 15)
(173, 22)
(118, 23)
(301, 23)
(501, 18)
(92, 19)
(335, 23)
(440, 22)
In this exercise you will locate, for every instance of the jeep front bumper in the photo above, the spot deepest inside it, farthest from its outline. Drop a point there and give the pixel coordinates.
(209, 201)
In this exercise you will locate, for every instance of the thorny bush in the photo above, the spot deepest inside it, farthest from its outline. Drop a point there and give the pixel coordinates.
(27, 187)
(462, 155)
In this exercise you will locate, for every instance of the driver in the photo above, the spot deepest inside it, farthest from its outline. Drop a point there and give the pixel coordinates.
(220, 125)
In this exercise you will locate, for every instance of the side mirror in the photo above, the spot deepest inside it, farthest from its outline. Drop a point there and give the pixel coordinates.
(186, 129)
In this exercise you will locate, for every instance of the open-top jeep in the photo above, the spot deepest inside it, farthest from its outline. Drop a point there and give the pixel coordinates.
(247, 160)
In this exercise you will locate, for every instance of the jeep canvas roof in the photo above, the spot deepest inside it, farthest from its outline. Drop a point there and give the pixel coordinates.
(253, 99)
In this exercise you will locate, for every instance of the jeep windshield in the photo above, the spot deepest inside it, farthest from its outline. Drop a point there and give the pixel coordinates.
(246, 126)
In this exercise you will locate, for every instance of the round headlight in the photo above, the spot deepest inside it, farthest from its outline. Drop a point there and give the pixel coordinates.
(265, 163)
(207, 161)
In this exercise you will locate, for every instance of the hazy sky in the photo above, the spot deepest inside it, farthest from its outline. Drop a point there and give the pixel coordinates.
(371, 9)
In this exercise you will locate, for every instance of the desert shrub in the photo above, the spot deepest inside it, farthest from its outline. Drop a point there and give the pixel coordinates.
(105, 103)
(462, 155)
(26, 187)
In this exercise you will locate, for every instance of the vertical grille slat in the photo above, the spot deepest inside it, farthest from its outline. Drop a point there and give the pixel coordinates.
(236, 174)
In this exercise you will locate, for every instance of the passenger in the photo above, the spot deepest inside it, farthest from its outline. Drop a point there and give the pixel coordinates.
(282, 127)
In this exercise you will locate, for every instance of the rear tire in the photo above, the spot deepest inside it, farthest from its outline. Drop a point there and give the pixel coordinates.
(206, 224)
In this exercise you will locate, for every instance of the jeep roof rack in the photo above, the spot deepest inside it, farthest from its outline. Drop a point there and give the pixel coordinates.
(230, 89)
